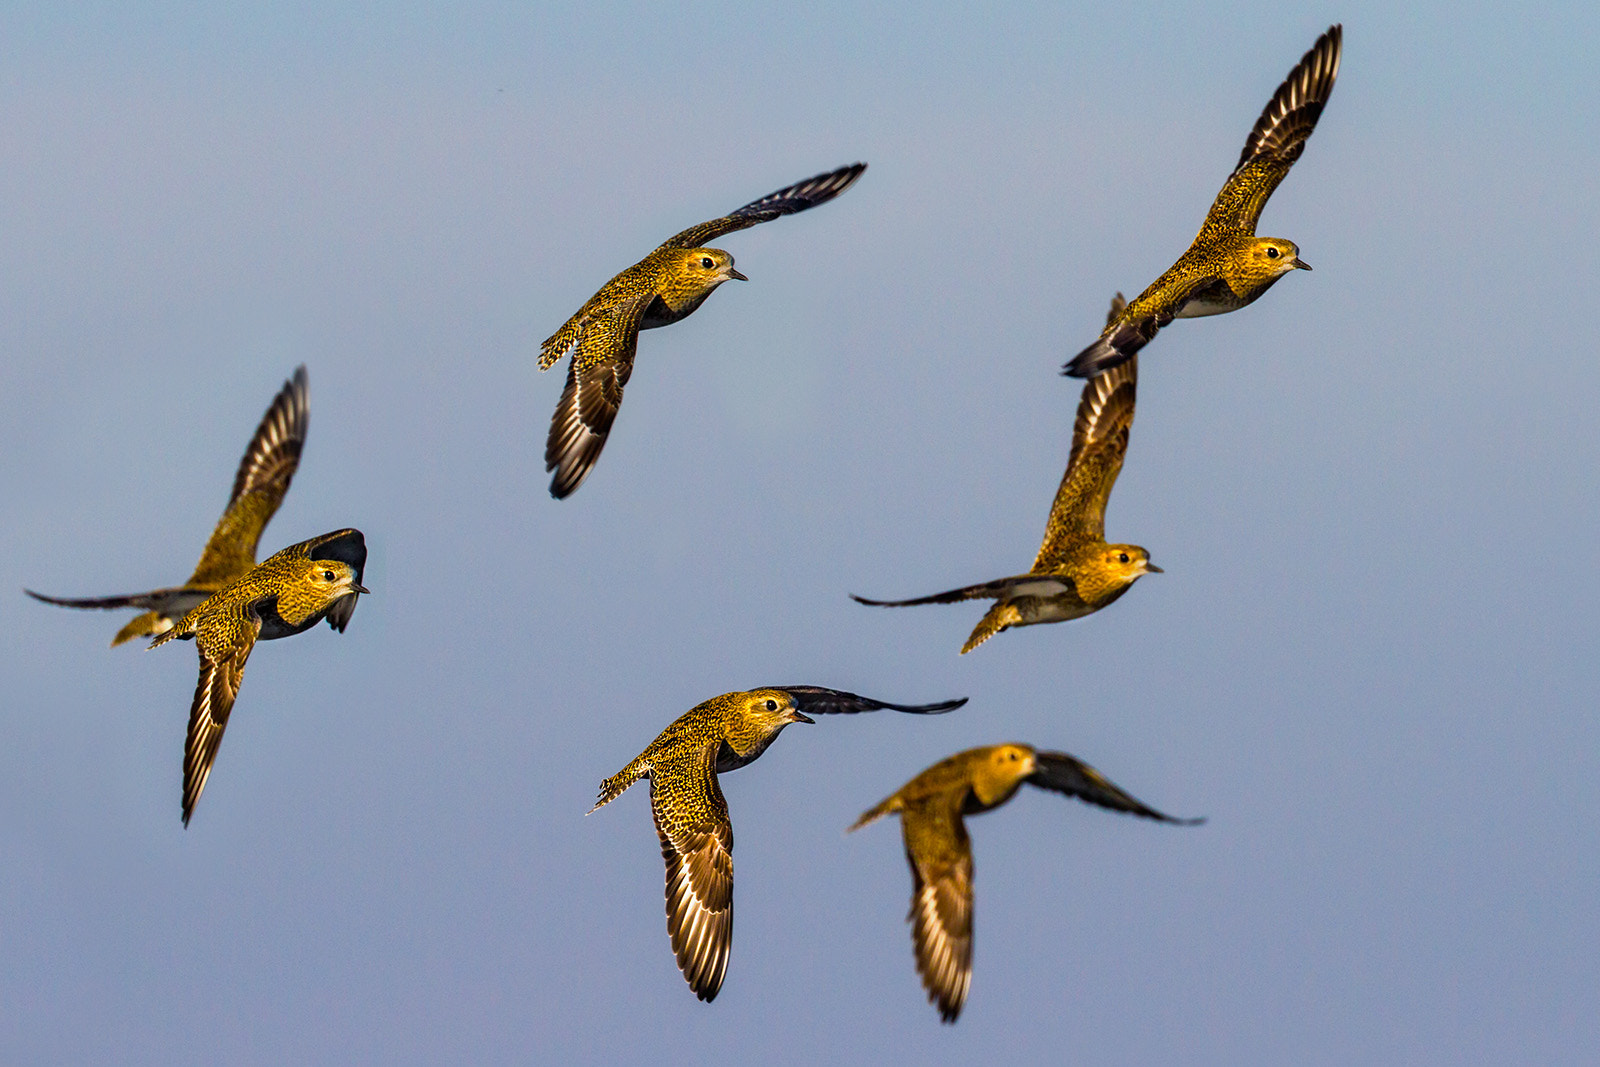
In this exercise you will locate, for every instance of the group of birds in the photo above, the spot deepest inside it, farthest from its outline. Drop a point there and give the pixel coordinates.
(230, 602)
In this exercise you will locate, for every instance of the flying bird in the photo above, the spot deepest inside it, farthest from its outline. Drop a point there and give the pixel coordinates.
(1076, 572)
(719, 735)
(663, 287)
(264, 473)
(288, 594)
(931, 807)
(1228, 266)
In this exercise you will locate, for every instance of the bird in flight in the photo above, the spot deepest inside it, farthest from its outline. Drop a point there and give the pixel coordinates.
(931, 808)
(663, 287)
(1076, 572)
(1228, 266)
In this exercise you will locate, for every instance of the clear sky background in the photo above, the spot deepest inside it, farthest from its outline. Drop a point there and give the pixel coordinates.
(1371, 660)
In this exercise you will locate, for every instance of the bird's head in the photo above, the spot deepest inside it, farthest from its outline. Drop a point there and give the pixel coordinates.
(1272, 257)
(707, 268)
(1128, 562)
(999, 770)
(325, 587)
(772, 709)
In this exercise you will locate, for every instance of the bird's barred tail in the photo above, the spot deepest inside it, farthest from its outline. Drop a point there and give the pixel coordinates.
(618, 783)
(997, 618)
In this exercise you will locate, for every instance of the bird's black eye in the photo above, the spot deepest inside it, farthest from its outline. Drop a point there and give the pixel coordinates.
(1122, 558)
(327, 576)
(1272, 253)
(772, 705)
(706, 262)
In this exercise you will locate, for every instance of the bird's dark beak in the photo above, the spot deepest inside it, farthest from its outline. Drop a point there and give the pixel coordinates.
(1301, 264)
(359, 589)
(795, 716)
(1151, 568)
(736, 276)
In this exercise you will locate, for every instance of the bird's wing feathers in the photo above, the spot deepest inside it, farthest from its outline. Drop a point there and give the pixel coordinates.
(786, 201)
(1000, 587)
(1279, 136)
(697, 844)
(940, 855)
(221, 671)
(1099, 443)
(263, 478)
(600, 368)
(815, 700)
(1066, 774)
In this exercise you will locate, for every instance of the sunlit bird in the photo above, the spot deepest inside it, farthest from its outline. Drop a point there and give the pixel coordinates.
(1228, 266)
(288, 594)
(263, 478)
(719, 735)
(931, 807)
(1076, 572)
(663, 287)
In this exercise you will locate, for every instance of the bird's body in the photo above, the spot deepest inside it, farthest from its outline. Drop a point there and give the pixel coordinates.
(662, 288)
(287, 594)
(682, 764)
(263, 478)
(1228, 266)
(931, 807)
(1076, 573)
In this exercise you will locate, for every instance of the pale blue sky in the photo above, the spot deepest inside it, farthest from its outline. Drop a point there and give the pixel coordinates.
(1371, 660)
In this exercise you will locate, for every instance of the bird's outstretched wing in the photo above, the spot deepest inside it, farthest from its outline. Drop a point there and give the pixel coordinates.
(697, 844)
(1279, 137)
(1066, 774)
(600, 368)
(263, 478)
(786, 201)
(815, 700)
(1099, 443)
(1016, 584)
(940, 855)
(221, 671)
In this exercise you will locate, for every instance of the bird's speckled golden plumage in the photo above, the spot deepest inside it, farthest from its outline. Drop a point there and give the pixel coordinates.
(663, 287)
(1076, 572)
(288, 594)
(263, 478)
(931, 808)
(721, 734)
(1228, 266)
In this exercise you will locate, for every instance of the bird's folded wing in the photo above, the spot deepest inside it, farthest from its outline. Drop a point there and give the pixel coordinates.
(697, 844)
(786, 201)
(259, 486)
(1066, 774)
(221, 671)
(1278, 138)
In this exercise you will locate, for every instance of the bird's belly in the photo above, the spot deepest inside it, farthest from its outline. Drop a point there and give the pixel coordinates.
(1210, 304)
(1040, 609)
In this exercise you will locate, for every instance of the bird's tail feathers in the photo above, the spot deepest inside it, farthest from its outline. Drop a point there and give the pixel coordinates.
(891, 804)
(618, 783)
(997, 618)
